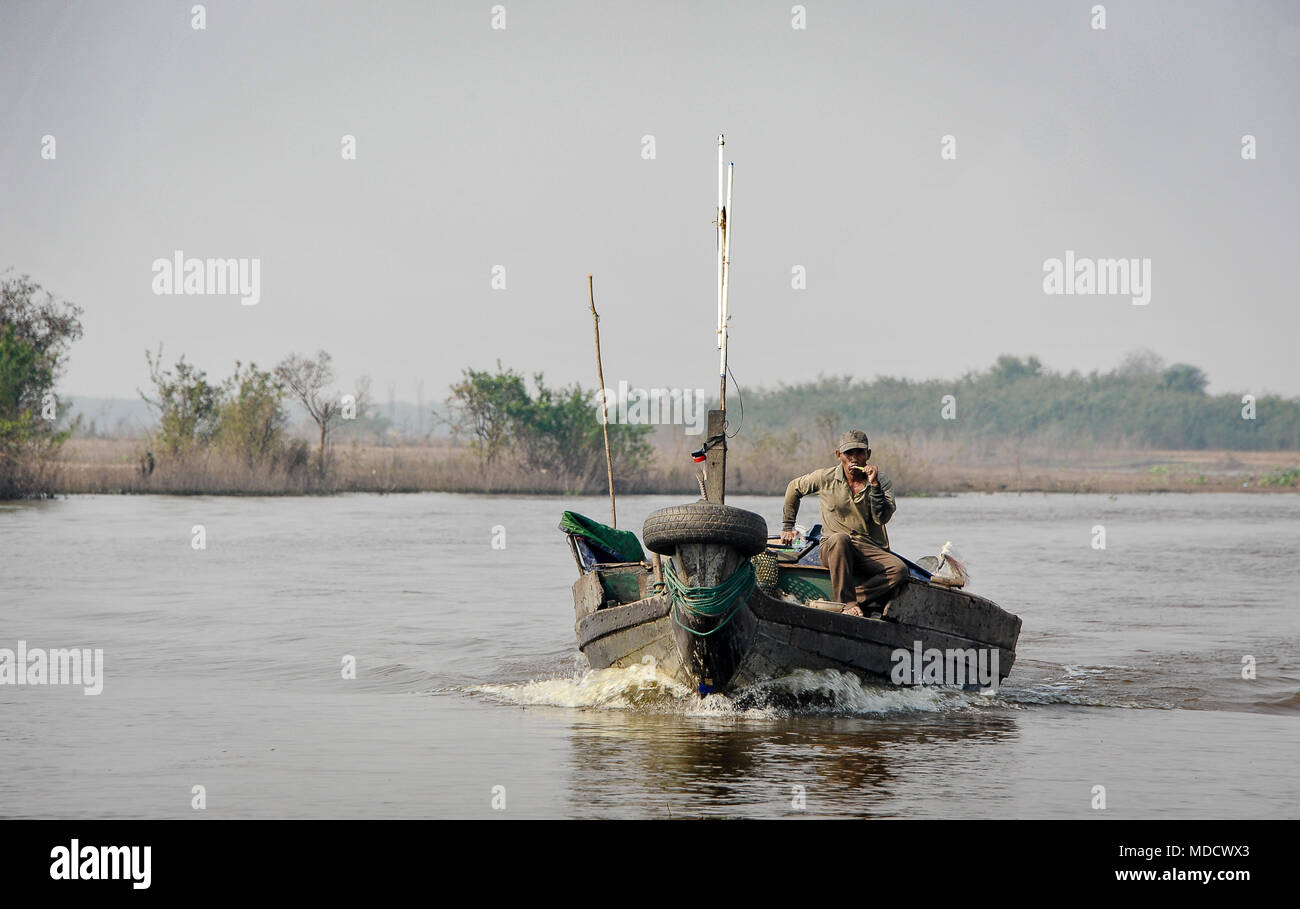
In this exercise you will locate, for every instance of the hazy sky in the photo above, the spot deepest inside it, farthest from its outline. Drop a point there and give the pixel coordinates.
(522, 147)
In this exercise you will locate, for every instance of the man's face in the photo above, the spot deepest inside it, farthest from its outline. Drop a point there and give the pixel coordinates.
(855, 457)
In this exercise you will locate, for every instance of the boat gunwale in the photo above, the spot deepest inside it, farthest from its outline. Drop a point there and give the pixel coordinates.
(776, 611)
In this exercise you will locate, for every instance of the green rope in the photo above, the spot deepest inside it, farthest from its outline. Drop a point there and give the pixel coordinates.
(710, 602)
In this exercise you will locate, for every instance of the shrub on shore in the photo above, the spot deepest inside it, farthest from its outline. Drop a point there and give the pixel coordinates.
(35, 331)
(553, 437)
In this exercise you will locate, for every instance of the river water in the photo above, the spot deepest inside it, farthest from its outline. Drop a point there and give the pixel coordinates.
(223, 668)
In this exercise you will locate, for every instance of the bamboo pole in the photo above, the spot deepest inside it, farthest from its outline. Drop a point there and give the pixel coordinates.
(604, 407)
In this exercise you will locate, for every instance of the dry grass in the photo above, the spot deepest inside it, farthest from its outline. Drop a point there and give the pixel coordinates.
(763, 466)
(112, 466)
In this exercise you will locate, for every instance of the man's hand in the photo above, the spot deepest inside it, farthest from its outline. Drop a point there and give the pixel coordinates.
(787, 537)
(870, 471)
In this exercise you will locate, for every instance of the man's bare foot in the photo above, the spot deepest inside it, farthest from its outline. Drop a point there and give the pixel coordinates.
(852, 609)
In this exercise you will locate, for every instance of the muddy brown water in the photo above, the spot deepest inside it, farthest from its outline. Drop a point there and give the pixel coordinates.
(223, 668)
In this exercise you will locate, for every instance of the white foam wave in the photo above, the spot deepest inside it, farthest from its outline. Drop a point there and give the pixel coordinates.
(645, 687)
(635, 686)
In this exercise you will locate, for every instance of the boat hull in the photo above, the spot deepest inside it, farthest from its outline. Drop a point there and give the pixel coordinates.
(770, 637)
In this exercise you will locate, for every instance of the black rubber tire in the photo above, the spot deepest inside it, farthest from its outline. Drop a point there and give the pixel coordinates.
(704, 522)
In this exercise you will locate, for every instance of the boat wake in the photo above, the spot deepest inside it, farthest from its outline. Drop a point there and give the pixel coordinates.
(803, 692)
(1182, 681)
(1035, 684)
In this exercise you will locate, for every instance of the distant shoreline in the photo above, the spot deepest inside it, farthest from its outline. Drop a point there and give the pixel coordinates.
(112, 466)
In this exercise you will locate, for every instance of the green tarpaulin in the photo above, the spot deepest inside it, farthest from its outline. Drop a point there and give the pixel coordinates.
(622, 543)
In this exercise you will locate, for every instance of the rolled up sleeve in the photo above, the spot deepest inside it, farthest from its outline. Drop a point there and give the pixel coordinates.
(881, 497)
(798, 488)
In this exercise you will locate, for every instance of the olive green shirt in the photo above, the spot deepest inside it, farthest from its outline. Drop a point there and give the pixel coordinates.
(862, 516)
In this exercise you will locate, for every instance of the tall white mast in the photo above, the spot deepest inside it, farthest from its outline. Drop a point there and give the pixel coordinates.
(725, 176)
(722, 229)
(714, 451)
(726, 285)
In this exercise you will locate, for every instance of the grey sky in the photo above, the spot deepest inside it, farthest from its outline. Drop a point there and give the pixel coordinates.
(522, 148)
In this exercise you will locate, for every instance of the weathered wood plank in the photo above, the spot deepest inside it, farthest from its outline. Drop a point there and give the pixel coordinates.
(618, 618)
(715, 459)
(955, 611)
(588, 596)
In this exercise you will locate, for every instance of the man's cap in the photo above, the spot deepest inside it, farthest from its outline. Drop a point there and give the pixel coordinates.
(854, 438)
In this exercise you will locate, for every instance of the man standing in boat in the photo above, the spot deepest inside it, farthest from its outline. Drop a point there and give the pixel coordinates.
(857, 502)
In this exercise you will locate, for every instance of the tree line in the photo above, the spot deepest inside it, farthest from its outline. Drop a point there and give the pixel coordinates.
(554, 433)
(243, 420)
(244, 416)
(1142, 403)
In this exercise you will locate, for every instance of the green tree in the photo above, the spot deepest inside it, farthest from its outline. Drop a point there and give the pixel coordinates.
(188, 405)
(1009, 368)
(1185, 377)
(556, 432)
(560, 431)
(489, 408)
(36, 330)
(252, 420)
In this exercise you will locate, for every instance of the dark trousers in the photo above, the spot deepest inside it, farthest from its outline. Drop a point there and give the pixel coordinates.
(882, 572)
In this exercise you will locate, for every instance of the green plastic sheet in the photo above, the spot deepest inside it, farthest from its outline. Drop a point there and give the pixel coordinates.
(622, 543)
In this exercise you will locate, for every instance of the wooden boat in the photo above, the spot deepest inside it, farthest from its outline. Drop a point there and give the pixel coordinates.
(703, 613)
(626, 616)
